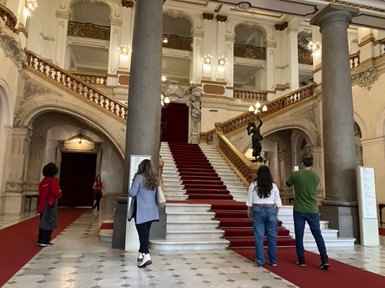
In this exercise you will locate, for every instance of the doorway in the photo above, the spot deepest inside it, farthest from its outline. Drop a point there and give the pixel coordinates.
(176, 118)
(77, 176)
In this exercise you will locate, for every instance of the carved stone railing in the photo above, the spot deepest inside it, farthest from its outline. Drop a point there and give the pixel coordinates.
(354, 59)
(9, 18)
(249, 51)
(76, 85)
(305, 58)
(88, 30)
(177, 42)
(239, 162)
(91, 78)
(272, 107)
(250, 94)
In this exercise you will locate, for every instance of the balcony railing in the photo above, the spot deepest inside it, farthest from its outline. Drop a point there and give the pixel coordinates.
(9, 18)
(354, 59)
(305, 57)
(272, 107)
(244, 94)
(249, 51)
(73, 84)
(90, 78)
(89, 30)
(177, 42)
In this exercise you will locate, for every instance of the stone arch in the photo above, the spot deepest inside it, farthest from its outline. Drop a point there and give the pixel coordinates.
(78, 112)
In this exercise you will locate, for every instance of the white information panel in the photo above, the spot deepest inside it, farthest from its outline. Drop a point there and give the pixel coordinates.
(367, 206)
(132, 239)
(367, 192)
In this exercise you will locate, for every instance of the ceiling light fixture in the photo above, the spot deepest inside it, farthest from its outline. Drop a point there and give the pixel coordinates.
(30, 5)
(315, 48)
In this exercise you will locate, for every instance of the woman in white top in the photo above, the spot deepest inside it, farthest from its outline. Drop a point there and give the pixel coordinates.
(263, 203)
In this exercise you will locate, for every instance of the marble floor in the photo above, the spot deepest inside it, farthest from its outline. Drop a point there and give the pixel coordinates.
(79, 259)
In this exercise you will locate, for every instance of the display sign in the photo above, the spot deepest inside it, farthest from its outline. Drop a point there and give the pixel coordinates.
(135, 160)
(367, 192)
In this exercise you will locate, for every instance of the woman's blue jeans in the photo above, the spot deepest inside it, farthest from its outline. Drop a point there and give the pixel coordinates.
(265, 223)
(313, 221)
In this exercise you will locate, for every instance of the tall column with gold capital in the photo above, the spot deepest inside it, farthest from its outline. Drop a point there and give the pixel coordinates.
(340, 206)
(144, 109)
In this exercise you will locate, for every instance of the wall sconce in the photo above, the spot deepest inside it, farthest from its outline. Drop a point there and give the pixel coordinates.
(164, 39)
(256, 109)
(164, 78)
(207, 61)
(164, 101)
(221, 62)
(124, 50)
(315, 48)
(30, 5)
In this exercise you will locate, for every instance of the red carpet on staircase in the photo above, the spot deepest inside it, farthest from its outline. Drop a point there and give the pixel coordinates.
(203, 184)
(17, 242)
(339, 274)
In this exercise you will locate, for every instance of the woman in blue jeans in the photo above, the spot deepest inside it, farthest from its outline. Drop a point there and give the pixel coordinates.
(263, 203)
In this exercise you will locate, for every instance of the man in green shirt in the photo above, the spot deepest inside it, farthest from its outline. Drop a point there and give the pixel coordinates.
(305, 210)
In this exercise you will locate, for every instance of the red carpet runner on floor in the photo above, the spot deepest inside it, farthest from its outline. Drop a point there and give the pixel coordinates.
(202, 183)
(339, 274)
(17, 245)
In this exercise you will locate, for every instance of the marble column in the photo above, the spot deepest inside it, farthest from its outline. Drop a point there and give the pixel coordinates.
(144, 109)
(340, 205)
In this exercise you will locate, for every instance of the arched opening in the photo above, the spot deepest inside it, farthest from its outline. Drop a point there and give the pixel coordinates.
(88, 37)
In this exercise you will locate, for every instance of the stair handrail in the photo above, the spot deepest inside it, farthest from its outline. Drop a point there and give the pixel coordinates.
(73, 83)
(241, 165)
(274, 106)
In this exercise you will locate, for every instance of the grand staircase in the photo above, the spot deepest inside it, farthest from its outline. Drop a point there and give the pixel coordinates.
(208, 217)
(199, 223)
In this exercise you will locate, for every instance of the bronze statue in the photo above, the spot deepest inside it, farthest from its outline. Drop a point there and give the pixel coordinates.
(256, 139)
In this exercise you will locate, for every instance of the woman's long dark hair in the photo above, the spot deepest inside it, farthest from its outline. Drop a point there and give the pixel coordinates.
(264, 182)
(150, 177)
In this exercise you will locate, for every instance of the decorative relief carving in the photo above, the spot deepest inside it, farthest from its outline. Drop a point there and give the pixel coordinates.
(31, 89)
(173, 88)
(12, 49)
(175, 13)
(366, 78)
(194, 102)
(360, 6)
(281, 152)
(310, 114)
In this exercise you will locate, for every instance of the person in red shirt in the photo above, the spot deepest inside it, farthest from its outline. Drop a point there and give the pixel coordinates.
(49, 192)
(98, 192)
